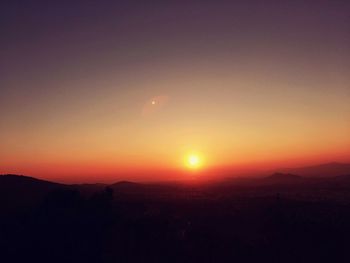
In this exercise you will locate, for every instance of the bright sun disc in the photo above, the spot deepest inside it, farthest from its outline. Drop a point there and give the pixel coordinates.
(193, 161)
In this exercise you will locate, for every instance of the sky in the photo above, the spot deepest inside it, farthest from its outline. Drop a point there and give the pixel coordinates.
(100, 91)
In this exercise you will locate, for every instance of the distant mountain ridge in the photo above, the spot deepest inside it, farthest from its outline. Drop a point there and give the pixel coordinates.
(23, 189)
(283, 177)
(332, 169)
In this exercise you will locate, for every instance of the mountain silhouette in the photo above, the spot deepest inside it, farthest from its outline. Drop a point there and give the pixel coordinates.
(21, 183)
(19, 190)
(323, 170)
(145, 189)
(282, 178)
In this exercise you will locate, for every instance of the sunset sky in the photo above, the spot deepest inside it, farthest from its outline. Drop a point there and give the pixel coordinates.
(100, 91)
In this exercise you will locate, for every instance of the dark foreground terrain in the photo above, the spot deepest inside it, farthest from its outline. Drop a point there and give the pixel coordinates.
(280, 218)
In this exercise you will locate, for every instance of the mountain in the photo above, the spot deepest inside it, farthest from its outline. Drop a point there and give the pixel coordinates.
(323, 170)
(18, 190)
(87, 190)
(282, 178)
(125, 187)
(23, 183)
(342, 179)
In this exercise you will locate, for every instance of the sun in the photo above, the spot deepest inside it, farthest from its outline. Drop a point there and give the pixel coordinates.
(193, 161)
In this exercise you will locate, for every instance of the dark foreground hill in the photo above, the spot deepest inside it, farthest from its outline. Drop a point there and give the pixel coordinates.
(21, 183)
(279, 218)
(16, 190)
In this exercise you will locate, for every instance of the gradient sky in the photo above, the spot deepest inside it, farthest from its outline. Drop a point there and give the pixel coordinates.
(245, 84)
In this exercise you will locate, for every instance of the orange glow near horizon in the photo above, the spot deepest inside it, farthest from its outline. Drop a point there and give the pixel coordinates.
(74, 171)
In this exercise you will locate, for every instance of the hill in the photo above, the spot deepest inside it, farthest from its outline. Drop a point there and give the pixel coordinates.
(18, 190)
(281, 178)
(323, 170)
